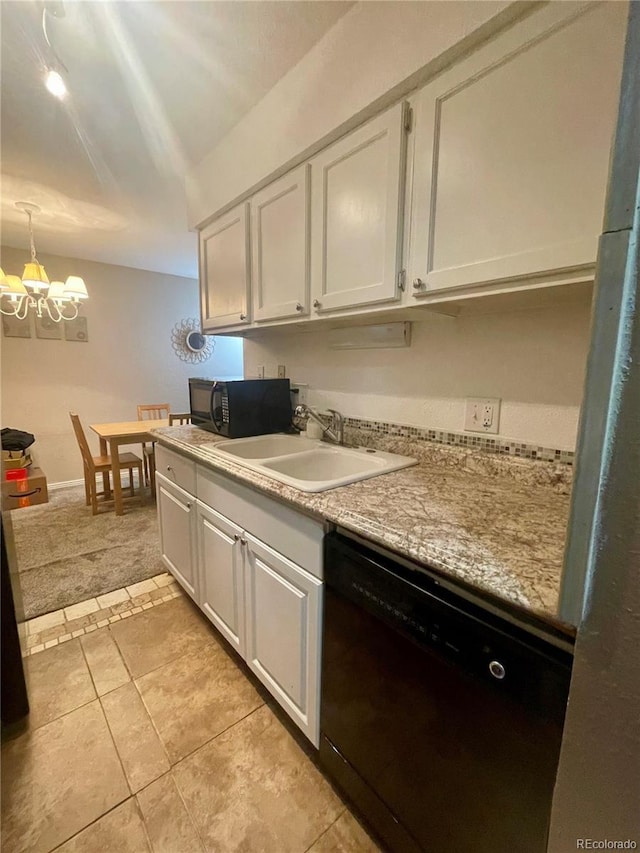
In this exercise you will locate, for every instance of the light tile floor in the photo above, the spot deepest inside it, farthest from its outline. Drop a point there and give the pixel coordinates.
(82, 618)
(146, 737)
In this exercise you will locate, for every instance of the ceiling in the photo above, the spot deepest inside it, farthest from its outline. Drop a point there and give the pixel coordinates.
(153, 86)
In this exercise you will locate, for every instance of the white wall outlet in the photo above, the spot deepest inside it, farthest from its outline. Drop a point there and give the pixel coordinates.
(282, 371)
(260, 371)
(482, 414)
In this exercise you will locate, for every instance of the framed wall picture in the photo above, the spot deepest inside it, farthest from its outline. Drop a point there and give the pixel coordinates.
(76, 330)
(12, 327)
(47, 329)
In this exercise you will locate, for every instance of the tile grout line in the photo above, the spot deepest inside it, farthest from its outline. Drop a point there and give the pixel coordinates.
(169, 774)
(171, 660)
(102, 711)
(155, 669)
(211, 739)
(91, 823)
(142, 820)
(115, 746)
(324, 831)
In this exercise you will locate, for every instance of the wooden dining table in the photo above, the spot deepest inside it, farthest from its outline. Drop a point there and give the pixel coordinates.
(114, 435)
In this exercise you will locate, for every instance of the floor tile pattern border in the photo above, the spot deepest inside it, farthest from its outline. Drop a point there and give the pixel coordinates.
(33, 640)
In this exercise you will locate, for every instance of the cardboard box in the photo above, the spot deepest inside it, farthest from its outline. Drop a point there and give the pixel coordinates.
(12, 459)
(29, 491)
(13, 454)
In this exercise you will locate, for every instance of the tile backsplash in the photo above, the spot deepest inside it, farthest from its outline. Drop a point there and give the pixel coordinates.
(487, 444)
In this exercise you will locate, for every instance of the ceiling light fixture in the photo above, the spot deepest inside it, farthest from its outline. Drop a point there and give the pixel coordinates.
(59, 300)
(54, 81)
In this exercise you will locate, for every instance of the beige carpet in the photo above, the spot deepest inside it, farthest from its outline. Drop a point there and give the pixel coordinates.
(66, 554)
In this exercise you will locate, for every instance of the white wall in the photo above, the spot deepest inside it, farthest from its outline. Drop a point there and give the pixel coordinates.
(534, 360)
(128, 359)
(373, 55)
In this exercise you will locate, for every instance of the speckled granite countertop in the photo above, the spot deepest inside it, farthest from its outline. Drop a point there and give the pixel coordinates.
(495, 523)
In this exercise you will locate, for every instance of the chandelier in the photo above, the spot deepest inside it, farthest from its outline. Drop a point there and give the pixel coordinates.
(58, 300)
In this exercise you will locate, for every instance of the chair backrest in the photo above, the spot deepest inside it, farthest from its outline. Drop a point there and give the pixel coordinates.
(153, 411)
(81, 438)
(179, 418)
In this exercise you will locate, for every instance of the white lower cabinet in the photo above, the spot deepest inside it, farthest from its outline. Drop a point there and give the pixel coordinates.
(255, 592)
(283, 622)
(222, 575)
(177, 525)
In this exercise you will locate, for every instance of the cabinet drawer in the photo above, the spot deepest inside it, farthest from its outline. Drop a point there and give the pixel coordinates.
(291, 533)
(176, 468)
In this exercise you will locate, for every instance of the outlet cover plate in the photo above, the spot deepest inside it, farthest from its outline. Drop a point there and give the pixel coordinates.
(482, 414)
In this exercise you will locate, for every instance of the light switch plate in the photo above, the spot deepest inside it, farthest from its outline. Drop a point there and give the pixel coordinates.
(482, 414)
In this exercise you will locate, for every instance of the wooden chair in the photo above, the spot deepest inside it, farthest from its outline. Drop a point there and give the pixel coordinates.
(102, 465)
(152, 412)
(179, 418)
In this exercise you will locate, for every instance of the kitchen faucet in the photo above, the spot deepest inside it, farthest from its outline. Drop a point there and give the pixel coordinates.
(334, 432)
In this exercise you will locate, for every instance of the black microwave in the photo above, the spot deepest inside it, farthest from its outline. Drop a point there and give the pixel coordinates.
(240, 408)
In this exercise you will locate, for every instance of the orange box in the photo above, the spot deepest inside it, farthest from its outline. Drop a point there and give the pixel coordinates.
(26, 492)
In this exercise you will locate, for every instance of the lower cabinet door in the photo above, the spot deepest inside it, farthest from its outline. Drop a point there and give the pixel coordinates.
(283, 607)
(221, 574)
(176, 520)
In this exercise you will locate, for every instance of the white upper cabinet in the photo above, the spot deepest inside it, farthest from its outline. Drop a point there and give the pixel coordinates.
(512, 151)
(280, 243)
(225, 270)
(357, 201)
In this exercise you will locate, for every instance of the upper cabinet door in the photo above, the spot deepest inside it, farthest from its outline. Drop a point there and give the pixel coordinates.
(357, 199)
(512, 151)
(225, 270)
(280, 237)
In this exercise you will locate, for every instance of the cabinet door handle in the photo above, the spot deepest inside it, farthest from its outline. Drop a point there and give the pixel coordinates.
(316, 303)
(243, 316)
(418, 284)
(189, 506)
(299, 307)
(236, 537)
(243, 541)
(169, 468)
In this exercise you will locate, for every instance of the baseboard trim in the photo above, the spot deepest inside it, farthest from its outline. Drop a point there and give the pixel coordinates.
(64, 483)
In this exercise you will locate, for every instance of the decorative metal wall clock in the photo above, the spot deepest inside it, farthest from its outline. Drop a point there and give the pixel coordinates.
(188, 342)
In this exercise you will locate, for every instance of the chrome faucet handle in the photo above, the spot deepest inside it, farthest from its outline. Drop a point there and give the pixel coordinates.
(337, 425)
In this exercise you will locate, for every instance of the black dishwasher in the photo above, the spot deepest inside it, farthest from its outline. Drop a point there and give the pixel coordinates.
(441, 721)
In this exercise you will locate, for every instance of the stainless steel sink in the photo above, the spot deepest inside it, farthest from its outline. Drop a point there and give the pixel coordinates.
(311, 466)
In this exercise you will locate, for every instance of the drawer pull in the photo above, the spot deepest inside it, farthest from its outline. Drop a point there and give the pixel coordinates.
(236, 537)
(243, 541)
(299, 306)
(316, 303)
